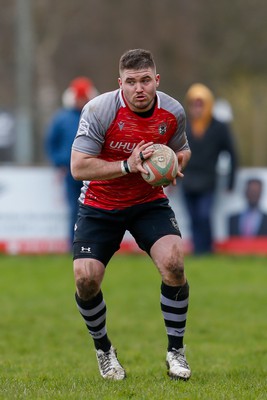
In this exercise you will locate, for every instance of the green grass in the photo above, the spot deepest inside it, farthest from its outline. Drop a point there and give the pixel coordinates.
(46, 352)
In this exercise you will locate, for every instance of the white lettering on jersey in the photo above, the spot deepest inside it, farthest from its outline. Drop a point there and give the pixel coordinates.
(126, 146)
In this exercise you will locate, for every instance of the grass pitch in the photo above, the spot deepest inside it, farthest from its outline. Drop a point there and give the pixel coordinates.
(46, 352)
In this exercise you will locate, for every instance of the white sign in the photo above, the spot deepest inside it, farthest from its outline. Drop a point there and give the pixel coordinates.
(34, 215)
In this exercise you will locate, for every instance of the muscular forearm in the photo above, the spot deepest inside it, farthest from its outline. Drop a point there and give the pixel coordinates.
(85, 168)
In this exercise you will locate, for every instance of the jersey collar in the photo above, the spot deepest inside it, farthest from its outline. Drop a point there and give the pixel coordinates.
(124, 104)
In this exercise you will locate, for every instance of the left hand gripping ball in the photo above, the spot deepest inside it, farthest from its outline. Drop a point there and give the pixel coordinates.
(162, 166)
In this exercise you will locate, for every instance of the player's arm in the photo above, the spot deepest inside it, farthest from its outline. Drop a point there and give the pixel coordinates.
(85, 167)
(183, 158)
(179, 142)
(90, 167)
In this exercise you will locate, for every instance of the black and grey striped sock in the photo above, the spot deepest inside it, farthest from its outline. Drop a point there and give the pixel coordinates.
(174, 306)
(94, 314)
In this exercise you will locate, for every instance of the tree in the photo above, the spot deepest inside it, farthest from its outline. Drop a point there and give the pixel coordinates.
(220, 44)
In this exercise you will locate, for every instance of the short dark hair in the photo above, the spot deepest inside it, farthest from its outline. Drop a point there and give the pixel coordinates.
(137, 59)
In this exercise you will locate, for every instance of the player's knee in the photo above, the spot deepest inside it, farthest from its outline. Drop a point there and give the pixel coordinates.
(173, 270)
(88, 278)
(87, 288)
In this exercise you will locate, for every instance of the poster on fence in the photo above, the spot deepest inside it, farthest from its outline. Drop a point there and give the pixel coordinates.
(34, 215)
(239, 217)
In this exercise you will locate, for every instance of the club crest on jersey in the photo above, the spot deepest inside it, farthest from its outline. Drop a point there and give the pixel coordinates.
(163, 128)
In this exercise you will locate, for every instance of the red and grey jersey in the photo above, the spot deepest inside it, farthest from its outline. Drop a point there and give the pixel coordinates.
(110, 130)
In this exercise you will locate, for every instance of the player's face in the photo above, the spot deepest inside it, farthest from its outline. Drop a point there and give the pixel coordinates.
(139, 88)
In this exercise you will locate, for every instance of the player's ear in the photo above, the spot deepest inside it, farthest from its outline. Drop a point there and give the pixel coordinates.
(120, 82)
(157, 80)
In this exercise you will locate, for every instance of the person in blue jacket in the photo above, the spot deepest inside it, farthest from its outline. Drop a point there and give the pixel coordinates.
(59, 138)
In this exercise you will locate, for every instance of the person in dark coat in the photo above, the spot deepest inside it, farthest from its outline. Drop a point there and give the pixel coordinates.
(208, 138)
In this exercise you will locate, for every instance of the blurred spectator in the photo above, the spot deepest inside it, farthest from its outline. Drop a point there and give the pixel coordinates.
(7, 137)
(252, 221)
(222, 111)
(208, 139)
(60, 135)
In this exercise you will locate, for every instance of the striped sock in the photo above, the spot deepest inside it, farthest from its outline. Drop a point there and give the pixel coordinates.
(174, 305)
(94, 314)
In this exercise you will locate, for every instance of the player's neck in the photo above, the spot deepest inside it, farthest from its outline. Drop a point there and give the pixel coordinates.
(148, 113)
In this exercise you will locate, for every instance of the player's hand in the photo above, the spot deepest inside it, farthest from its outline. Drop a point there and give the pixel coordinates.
(141, 152)
(173, 183)
(181, 164)
(183, 158)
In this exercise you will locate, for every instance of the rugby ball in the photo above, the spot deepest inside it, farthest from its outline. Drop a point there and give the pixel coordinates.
(162, 166)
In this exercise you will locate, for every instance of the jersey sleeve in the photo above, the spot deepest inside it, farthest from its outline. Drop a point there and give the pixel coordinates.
(179, 141)
(89, 137)
(95, 119)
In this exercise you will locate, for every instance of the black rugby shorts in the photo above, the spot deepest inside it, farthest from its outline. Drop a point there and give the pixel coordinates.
(98, 233)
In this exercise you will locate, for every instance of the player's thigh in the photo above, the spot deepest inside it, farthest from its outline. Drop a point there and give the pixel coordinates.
(98, 234)
(153, 221)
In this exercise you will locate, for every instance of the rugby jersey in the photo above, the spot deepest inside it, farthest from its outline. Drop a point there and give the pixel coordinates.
(110, 130)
